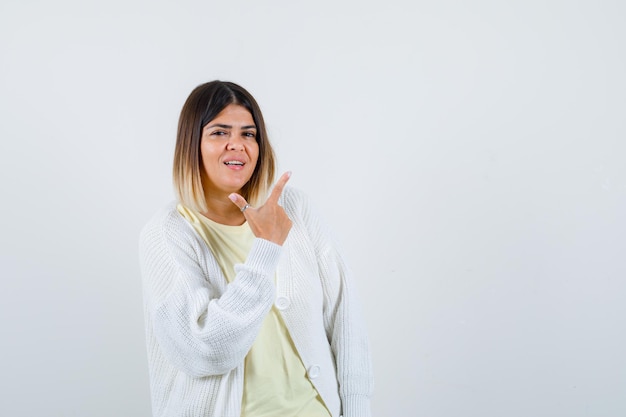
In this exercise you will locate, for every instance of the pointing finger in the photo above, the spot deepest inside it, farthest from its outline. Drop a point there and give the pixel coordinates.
(278, 187)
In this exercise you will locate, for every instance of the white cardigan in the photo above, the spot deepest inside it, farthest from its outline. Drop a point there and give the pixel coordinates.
(199, 328)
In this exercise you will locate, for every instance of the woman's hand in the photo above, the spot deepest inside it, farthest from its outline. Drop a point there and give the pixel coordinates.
(269, 222)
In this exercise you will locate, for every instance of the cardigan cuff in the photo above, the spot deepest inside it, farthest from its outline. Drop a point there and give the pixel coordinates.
(356, 406)
(263, 257)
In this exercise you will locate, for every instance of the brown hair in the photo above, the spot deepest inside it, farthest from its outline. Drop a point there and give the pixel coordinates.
(203, 104)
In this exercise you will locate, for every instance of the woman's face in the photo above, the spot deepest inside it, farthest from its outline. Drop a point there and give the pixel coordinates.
(229, 151)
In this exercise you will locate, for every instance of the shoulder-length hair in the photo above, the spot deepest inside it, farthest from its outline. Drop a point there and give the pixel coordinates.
(203, 104)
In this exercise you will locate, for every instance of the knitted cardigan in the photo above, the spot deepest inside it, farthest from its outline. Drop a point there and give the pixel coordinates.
(199, 328)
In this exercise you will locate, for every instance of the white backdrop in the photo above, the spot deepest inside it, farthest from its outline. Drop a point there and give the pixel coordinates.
(470, 156)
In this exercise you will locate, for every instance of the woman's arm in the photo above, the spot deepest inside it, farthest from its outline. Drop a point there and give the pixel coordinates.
(203, 326)
(343, 319)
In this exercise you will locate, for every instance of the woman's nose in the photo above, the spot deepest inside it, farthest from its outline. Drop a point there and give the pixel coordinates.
(235, 143)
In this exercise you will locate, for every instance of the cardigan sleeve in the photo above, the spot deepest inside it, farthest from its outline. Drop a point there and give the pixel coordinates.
(202, 328)
(343, 320)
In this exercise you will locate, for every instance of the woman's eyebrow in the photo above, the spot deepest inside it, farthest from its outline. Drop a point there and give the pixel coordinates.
(219, 125)
(229, 126)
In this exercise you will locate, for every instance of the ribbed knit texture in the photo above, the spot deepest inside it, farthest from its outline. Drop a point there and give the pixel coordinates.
(199, 328)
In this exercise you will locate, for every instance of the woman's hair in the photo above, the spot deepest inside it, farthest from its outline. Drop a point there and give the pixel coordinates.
(203, 104)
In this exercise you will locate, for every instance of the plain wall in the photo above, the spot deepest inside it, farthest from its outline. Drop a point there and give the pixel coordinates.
(470, 156)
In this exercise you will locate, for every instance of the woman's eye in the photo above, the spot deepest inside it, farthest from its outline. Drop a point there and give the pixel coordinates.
(250, 135)
(218, 133)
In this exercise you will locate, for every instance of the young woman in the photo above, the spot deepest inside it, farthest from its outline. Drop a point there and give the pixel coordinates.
(249, 307)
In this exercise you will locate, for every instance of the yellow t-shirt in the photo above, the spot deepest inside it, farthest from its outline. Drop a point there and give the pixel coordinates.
(275, 381)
